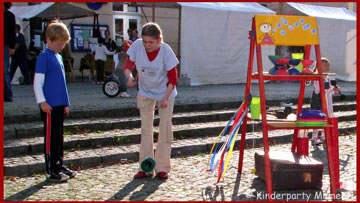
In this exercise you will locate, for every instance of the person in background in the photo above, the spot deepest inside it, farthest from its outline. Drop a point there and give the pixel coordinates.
(133, 34)
(129, 34)
(316, 101)
(9, 48)
(111, 46)
(119, 67)
(101, 53)
(157, 78)
(19, 58)
(52, 96)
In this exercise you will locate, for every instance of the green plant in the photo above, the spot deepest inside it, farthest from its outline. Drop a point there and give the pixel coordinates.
(66, 133)
(119, 140)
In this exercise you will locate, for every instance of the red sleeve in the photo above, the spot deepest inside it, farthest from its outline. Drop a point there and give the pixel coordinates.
(129, 64)
(172, 76)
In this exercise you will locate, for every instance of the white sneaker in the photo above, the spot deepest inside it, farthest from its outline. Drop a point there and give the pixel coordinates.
(125, 94)
(315, 142)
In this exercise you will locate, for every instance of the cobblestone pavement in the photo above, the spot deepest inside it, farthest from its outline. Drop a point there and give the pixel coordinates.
(188, 180)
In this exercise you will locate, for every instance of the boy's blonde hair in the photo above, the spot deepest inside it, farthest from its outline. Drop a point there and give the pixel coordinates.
(57, 30)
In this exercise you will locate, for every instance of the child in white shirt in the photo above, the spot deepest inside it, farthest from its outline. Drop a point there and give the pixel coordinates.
(316, 100)
(100, 58)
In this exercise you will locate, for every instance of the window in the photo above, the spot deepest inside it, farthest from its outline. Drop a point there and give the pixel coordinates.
(117, 6)
(124, 7)
(133, 24)
(119, 31)
(122, 24)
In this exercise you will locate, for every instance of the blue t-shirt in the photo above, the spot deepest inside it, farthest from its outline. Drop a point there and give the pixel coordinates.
(55, 90)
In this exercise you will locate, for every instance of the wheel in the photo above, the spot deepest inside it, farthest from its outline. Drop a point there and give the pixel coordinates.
(111, 88)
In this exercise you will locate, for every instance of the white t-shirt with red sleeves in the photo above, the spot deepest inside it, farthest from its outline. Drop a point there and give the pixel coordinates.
(153, 74)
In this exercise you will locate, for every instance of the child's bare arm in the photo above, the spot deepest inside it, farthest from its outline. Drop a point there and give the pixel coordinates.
(336, 90)
(66, 111)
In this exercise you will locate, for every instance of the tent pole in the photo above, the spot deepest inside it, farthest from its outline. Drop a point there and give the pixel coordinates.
(179, 42)
(142, 9)
(153, 12)
(58, 10)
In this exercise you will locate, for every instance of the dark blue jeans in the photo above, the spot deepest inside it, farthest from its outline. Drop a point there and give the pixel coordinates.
(123, 80)
(20, 61)
(7, 81)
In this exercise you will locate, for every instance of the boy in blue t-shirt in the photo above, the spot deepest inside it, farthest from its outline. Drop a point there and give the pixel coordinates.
(52, 96)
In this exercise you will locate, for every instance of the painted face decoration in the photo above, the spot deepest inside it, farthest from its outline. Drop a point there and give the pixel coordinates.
(265, 28)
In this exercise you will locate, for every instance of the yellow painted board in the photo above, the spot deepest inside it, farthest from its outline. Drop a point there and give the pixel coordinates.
(285, 30)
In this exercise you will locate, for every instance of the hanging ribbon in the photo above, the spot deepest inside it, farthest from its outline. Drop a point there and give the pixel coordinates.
(217, 141)
(232, 145)
(229, 134)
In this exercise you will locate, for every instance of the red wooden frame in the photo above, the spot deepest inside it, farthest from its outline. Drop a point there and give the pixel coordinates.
(331, 130)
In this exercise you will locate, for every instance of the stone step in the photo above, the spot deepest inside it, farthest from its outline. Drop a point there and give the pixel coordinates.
(97, 112)
(33, 145)
(73, 126)
(84, 158)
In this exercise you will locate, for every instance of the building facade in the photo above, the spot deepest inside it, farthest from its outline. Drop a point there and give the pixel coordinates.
(118, 17)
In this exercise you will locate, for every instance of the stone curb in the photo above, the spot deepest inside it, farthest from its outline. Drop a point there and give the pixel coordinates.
(125, 112)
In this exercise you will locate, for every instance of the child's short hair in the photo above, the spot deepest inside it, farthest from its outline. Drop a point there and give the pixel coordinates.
(101, 40)
(57, 30)
(7, 5)
(152, 29)
(325, 60)
(17, 27)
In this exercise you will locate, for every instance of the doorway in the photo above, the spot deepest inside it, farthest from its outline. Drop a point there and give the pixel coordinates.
(122, 24)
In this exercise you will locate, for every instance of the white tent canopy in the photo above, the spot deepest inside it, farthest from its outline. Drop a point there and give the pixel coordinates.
(337, 33)
(227, 6)
(214, 41)
(324, 11)
(51, 10)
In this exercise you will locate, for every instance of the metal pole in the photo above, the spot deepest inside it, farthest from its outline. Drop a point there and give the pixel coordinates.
(153, 12)
(58, 10)
(179, 42)
(142, 9)
(252, 40)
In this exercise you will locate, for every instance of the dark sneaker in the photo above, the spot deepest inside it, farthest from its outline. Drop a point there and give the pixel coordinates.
(57, 177)
(68, 172)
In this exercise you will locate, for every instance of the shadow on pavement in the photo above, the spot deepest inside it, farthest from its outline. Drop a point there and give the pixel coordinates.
(22, 195)
(210, 194)
(149, 186)
(321, 155)
(236, 187)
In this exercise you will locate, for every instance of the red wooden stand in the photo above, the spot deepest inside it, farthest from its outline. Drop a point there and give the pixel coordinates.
(331, 131)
